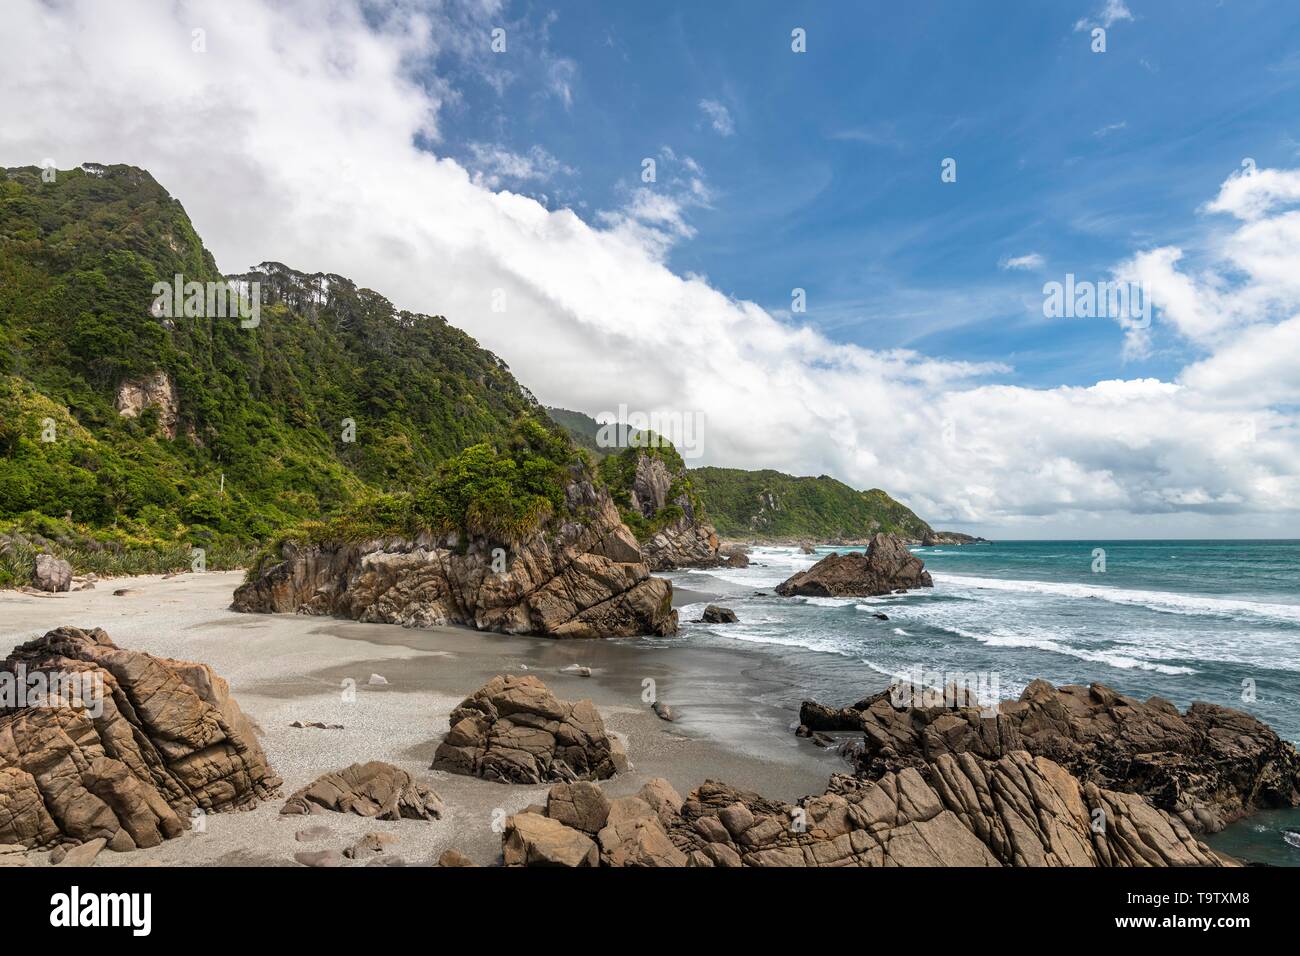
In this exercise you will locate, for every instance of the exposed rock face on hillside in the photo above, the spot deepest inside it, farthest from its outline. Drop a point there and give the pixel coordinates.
(152, 391)
(966, 811)
(168, 741)
(886, 566)
(1207, 767)
(947, 537)
(689, 542)
(583, 578)
(514, 730)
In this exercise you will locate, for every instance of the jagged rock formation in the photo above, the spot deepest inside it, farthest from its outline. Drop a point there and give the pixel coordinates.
(127, 752)
(964, 811)
(886, 566)
(1208, 767)
(713, 614)
(514, 730)
(584, 578)
(687, 542)
(375, 789)
(947, 537)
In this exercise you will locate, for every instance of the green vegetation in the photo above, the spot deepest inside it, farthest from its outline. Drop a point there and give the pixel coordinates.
(618, 472)
(260, 437)
(774, 506)
(751, 504)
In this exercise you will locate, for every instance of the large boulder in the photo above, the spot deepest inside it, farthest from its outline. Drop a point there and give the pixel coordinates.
(123, 746)
(584, 577)
(1208, 767)
(375, 789)
(886, 566)
(51, 574)
(514, 730)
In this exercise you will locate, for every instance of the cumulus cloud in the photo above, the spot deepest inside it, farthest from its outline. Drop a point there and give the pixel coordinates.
(1111, 12)
(308, 119)
(494, 164)
(719, 117)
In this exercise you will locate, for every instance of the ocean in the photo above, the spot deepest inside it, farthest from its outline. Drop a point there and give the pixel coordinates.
(1215, 621)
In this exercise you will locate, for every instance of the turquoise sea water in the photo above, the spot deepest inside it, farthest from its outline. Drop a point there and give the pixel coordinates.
(1215, 621)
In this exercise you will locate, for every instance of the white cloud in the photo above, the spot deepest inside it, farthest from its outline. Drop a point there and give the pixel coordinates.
(719, 117)
(1104, 131)
(1111, 12)
(300, 122)
(494, 165)
(1029, 261)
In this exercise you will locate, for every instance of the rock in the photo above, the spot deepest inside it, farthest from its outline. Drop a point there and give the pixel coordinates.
(1209, 766)
(533, 840)
(377, 680)
(11, 854)
(581, 805)
(514, 730)
(125, 592)
(638, 841)
(155, 390)
(370, 845)
(84, 854)
(581, 577)
(375, 789)
(455, 858)
(962, 811)
(312, 834)
(687, 542)
(315, 724)
(947, 537)
(51, 574)
(319, 858)
(718, 615)
(579, 669)
(663, 711)
(880, 616)
(886, 565)
(661, 797)
(170, 741)
(806, 548)
(736, 559)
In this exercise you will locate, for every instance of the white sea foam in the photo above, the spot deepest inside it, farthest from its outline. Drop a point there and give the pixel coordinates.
(1162, 601)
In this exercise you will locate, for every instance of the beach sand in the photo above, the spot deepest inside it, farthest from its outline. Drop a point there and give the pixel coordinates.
(283, 668)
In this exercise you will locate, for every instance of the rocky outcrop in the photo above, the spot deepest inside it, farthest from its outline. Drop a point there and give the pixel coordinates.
(1207, 767)
(582, 577)
(931, 538)
(514, 730)
(375, 789)
(687, 542)
(124, 746)
(887, 565)
(51, 574)
(155, 390)
(1019, 810)
(713, 614)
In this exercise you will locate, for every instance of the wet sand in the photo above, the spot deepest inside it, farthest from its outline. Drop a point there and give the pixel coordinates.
(283, 668)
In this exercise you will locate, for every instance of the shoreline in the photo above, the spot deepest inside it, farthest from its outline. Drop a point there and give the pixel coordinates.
(283, 668)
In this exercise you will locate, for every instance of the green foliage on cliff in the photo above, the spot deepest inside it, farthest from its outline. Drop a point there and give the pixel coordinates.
(774, 506)
(262, 414)
(618, 472)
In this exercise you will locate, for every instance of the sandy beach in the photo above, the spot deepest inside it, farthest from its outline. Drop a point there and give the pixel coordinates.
(286, 668)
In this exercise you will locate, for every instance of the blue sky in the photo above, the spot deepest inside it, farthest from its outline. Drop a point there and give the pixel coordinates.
(828, 175)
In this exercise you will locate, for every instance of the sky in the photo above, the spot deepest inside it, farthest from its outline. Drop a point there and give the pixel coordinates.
(839, 266)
